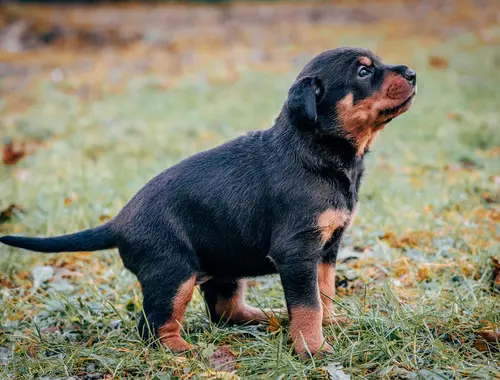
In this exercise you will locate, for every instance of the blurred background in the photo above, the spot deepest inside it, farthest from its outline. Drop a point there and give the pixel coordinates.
(98, 97)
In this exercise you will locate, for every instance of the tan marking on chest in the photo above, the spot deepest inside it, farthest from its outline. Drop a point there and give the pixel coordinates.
(329, 220)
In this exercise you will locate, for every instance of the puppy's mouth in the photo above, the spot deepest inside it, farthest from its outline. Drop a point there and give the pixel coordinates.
(388, 114)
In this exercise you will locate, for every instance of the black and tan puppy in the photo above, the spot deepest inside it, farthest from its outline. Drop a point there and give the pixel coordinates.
(273, 201)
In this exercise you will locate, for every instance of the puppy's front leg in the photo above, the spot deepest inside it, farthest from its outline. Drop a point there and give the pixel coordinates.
(326, 284)
(300, 283)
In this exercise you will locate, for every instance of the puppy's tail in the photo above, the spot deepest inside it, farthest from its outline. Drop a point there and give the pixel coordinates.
(93, 239)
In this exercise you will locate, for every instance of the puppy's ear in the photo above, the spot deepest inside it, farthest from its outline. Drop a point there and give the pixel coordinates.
(303, 97)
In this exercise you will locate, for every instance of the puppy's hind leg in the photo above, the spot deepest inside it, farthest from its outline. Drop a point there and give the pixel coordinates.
(226, 302)
(166, 296)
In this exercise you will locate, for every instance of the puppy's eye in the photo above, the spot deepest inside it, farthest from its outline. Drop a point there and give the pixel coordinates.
(364, 71)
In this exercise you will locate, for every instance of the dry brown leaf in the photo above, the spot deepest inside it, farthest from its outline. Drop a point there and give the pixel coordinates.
(480, 345)
(223, 359)
(12, 156)
(423, 273)
(70, 199)
(412, 239)
(7, 214)
(32, 351)
(490, 198)
(438, 62)
(104, 218)
(274, 324)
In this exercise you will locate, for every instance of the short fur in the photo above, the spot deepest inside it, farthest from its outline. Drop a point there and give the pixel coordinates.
(272, 201)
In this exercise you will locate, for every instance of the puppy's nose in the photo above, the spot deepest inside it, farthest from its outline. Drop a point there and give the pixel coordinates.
(410, 75)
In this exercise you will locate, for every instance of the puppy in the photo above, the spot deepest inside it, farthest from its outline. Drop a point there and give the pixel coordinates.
(272, 201)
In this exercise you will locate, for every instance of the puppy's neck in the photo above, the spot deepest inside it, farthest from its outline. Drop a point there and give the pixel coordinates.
(322, 153)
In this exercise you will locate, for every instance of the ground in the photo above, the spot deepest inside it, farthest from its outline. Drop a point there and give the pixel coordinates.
(123, 93)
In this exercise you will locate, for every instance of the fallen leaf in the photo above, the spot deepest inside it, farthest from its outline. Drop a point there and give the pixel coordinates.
(274, 324)
(454, 116)
(104, 218)
(223, 359)
(12, 37)
(490, 198)
(64, 272)
(5, 355)
(481, 345)
(412, 239)
(7, 214)
(12, 156)
(41, 274)
(423, 273)
(438, 62)
(32, 351)
(453, 168)
(428, 209)
(468, 164)
(429, 375)
(21, 175)
(70, 199)
(335, 372)
(219, 375)
(50, 330)
(61, 285)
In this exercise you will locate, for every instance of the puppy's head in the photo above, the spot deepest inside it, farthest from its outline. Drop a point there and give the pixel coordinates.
(350, 93)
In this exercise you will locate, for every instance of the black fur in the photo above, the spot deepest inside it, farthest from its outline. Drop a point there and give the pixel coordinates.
(245, 208)
(93, 239)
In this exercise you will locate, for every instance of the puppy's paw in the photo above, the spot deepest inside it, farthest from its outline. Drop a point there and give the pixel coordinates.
(176, 344)
(317, 351)
(251, 315)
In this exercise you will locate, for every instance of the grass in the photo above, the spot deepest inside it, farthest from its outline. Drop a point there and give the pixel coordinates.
(418, 290)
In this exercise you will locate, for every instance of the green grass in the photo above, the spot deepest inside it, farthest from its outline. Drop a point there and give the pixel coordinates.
(418, 295)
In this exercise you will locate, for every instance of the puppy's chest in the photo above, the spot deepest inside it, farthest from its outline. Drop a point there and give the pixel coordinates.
(344, 191)
(339, 211)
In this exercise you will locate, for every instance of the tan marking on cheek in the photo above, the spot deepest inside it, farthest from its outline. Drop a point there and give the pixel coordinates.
(365, 61)
(329, 220)
(362, 121)
(170, 333)
(235, 310)
(357, 121)
(307, 331)
(326, 283)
